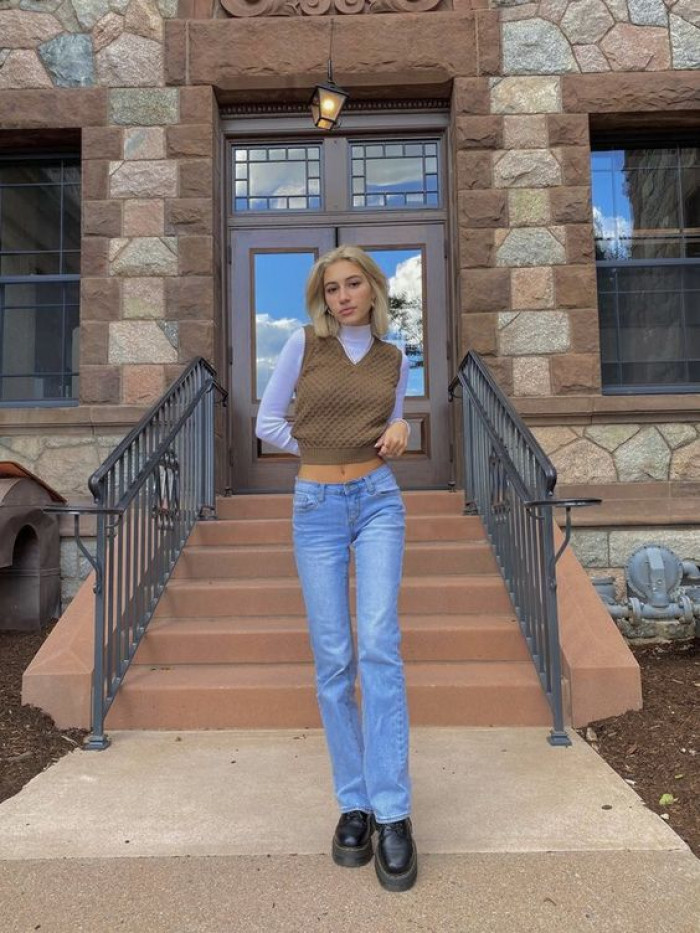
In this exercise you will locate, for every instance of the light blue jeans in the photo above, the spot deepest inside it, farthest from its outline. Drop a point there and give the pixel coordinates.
(369, 757)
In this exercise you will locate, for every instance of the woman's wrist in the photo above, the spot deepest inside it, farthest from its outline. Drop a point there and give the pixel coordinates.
(402, 421)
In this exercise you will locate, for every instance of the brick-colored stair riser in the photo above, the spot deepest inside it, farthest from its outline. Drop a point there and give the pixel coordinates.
(249, 598)
(250, 640)
(279, 530)
(231, 563)
(228, 697)
(280, 506)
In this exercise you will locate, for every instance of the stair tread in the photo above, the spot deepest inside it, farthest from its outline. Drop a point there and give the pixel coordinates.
(263, 624)
(276, 547)
(502, 674)
(483, 580)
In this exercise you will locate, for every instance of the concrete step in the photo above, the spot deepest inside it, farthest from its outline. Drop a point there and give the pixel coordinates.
(216, 598)
(280, 639)
(428, 502)
(279, 530)
(249, 696)
(277, 560)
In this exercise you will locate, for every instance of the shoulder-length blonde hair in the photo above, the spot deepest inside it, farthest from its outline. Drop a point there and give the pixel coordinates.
(325, 325)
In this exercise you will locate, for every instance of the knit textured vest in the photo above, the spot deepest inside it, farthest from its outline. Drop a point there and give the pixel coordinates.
(342, 408)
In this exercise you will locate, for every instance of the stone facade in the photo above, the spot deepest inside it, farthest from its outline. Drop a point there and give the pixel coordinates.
(139, 78)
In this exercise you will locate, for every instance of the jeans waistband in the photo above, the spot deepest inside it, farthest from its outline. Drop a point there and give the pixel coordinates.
(368, 482)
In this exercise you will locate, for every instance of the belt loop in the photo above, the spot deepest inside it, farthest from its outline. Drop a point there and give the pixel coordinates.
(369, 483)
(321, 492)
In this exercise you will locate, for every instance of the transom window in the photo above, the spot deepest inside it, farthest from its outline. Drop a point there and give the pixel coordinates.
(39, 279)
(340, 173)
(646, 217)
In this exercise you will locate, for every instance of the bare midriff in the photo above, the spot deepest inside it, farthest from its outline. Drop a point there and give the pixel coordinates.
(338, 472)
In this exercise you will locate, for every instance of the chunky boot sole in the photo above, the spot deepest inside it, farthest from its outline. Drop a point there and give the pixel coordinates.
(352, 856)
(394, 882)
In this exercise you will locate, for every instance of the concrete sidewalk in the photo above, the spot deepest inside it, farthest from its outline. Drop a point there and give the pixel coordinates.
(230, 831)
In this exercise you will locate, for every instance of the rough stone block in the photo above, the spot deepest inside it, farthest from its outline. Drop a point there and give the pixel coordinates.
(590, 59)
(476, 132)
(624, 93)
(474, 170)
(190, 298)
(109, 28)
(145, 256)
(175, 52)
(143, 385)
(568, 129)
(471, 95)
(69, 60)
(144, 107)
(502, 371)
(100, 299)
(144, 218)
(685, 42)
(479, 332)
(196, 178)
(188, 216)
(102, 218)
(94, 259)
(525, 132)
(488, 34)
(142, 342)
(586, 21)
(531, 333)
(95, 180)
(483, 208)
(143, 179)
(531, 376)
(528, 207)
(532, 288)
(22, 68)
(526, 95)
(58, 107)
(485, 289)
(530, 246)
(575, 165)
(130, 61)
(610, 436)
(190, 141)
(575, 374)
(143, 18)
(196, 339)
(575, 286)
(643, 457)
(25, 30)
(197, 105)
(580, 246)
(536, 46)
(196, 255)
(637, 48)
(101, 142)
(583, 462)
(144, 298)
(100, 385)
(685, 463)
(526, 168)
(585, 331)
(94, 343)
(476, 248)
(144, 142)
(570, 205)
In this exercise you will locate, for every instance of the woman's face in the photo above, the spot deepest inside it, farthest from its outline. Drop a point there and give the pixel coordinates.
(348, 293)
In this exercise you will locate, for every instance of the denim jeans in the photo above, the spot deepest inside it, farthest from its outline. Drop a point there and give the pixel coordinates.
(369, 757)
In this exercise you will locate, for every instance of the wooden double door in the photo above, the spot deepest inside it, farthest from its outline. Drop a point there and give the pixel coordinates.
(269, 268)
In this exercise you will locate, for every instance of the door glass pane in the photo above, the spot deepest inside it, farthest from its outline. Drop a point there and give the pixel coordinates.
(404, 272)
(279, 282)
(279, 178)
(395, 174)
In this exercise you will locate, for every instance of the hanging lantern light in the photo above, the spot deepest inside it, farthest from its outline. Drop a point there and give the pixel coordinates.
(328, 100)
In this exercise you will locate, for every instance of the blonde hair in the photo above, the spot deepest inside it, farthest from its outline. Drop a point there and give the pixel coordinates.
(325, 325)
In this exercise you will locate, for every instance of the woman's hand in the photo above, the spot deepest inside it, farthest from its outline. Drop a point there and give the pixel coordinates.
(394, 440)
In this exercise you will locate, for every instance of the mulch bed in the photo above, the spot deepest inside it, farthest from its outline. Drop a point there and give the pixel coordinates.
(657, 749)
(29, 740)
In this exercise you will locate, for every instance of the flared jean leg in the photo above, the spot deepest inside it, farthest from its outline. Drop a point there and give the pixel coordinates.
(322, 553)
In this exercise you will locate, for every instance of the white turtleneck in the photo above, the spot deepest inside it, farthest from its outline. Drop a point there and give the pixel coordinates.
(272, 425)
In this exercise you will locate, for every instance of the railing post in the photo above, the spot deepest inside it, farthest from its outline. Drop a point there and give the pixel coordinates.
(98, 741)
(558, 734)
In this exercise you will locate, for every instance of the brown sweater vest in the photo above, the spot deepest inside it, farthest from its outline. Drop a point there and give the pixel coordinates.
(342, 408)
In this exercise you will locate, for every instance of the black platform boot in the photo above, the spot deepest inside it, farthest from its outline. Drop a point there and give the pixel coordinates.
(352, 842)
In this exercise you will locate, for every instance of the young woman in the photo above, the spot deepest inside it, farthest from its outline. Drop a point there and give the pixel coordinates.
(350, 386)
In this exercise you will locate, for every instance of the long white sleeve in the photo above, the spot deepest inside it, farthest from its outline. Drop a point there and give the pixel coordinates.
(271, 425)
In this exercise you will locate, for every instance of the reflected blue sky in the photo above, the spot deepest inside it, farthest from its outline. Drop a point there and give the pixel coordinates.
(280, 282)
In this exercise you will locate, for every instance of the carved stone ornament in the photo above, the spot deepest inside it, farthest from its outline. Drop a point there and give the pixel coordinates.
(324, 7)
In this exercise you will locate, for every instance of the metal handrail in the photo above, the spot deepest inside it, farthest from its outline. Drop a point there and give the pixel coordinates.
(509, 482)
(148, 494)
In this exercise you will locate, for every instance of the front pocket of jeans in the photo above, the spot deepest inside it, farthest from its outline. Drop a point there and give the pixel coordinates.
(303, 502)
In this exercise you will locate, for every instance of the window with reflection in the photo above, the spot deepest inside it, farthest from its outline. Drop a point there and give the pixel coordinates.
(646, 218)
(277, 178)
(397, 173)
(39, 279)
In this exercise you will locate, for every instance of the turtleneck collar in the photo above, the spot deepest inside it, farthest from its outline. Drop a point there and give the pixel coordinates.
(355, 335)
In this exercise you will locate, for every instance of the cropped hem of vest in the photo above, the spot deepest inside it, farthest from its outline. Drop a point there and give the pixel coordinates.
(332, 455)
